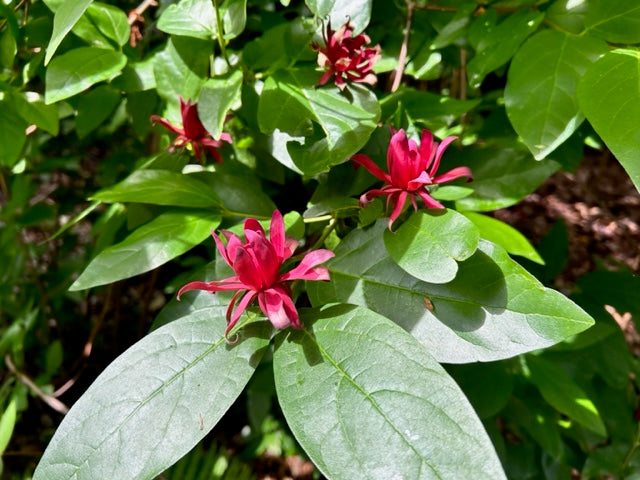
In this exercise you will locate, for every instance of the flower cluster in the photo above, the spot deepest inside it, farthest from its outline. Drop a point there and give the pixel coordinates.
(344, 55)
(257, 264)
(193, 132)
(412, 169)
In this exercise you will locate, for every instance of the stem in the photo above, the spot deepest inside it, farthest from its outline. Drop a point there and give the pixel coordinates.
(327, 231)
(3, 188)
(136, 13)
(221, 42)
(402, 58)
(627, 458)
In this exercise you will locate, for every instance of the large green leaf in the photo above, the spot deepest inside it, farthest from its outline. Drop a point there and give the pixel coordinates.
(495, 44)
(164, 238)
(160, 187)
(191, 18)
(80, 68)
(95, 107)
(504, 235)
(609, 95)
(12, 133)
(217, 97)
(65, 18)
(563, 394)
(290, 102)
(104, 26)
(493, 309)
(31, 107)
(616, 22)
(359, 417)
(156, 401)
(501, 178)
(429, 245)
(540, 96)
(357, 12)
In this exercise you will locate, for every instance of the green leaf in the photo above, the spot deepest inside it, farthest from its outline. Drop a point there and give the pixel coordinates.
(65, 18)
(32, 108)
(504, 235)
(181, 68)
(563, 394)
(568, 15)
(234, 17)
(95, 107)
(164, 238)
(501, 178)
(191, 18)
(496, 44)
(431, 110)
(8, 48)
(78, 69)
(540, 96)
(103, 26)
(609, 95)
(12, 133)
(493, 309)
(217, 97)
(616, 22)
(290, 102)
(359, 417)
(160, 187)
(357, 12)
(429, 244)
(8, 422)
(156, 401)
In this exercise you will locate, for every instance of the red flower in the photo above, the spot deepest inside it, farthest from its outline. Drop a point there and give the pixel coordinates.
(345, 55)
(257, 266)
(412, 169)
(193, 132)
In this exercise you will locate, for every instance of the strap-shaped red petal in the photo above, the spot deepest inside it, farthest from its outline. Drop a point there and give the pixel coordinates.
(366, 162)
(429, 201)
(453, 174)
(441, 148)
(400, 199)
(276, 234)
(306, 271)
(277, 305)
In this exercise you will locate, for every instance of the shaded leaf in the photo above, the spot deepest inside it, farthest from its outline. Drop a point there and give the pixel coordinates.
(504, 235)
(78, 69)
(495, 44)
(95, 107)
(160, 187)
(609, 95)
(493, 309)
(429, 244)
(31, 107)
(358, 417)
(541, 92)
(12, 133)
(563, 394)
(144, 410)
(357, 12)
(616, 22)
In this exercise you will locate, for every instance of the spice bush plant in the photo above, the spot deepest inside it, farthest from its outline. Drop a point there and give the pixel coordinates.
(337, 163)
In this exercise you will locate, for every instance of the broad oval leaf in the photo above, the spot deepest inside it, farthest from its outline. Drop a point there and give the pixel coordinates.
(160, 187)
(164, 238)
(616, 22)
(155, 401)
(103, 26)
(78, 69)
(191, 18)
(65, 18)
(217, 97)
(290, 102)
(609, 95)
(493, 309)
(360, 417)
(429, 244)
(540, 96)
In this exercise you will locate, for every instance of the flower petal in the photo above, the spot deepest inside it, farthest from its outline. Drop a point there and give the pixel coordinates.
(453, 174)
(277, 305)
(366, 162)
(400, 200)
(428, 200)
(441, 148)
(276, 234)
(306, 271)
(242, 306)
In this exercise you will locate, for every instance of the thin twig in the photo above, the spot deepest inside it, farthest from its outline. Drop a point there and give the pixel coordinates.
(54, 403)
(402, 58)
(221, 41)
(135, 15)
(463, 81)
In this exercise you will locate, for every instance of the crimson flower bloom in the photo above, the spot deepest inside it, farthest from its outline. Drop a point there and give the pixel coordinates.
(193, 132)
(412, 170)
(257, 266)
(346, 55)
